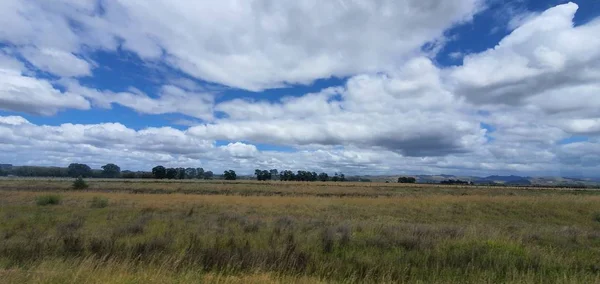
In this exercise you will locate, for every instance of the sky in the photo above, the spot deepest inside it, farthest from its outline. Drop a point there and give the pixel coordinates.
(374, 87)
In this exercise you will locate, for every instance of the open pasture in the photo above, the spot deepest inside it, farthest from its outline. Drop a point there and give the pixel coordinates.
(119, 231)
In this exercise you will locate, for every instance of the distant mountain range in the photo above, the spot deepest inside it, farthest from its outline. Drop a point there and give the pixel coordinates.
(511, 180)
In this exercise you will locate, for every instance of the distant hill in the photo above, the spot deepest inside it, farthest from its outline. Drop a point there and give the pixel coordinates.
(505, 180)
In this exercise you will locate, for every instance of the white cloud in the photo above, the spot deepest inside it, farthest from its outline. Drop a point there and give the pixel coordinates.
(22, 142)
(241, 150)
(544, 53)
(170, 99)
(397, 111)
(99, 143)
(7, 62)
(408, 111)
(19, 92)
(13, 120)
(57, 62)
(246, 44)
(36, 96)
(583, 126)
(456, 55)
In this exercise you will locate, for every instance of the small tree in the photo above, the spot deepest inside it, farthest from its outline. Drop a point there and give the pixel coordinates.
(79, 183)
(83, 170)
(262, 175)
(229, 175)
(180, 173)
(111, 171)
(172, 173)
(200, 173)
(323, 177)
(159, 172)
(407, 180)
(336, 177)
(208, 175)
(191, 173)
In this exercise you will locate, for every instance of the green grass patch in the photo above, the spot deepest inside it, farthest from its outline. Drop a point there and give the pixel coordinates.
(99, 202)
(48, 199)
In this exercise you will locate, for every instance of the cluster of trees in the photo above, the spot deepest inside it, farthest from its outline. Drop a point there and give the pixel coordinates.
(455, 182)
(229, 175)
(287, 175)
(407, 180)
(5, 169)
(264, 174)
(73, 170)
(160, 172)
(137, 175)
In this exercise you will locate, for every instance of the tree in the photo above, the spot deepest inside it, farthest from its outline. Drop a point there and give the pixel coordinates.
(159, 172)
(274, 173)
(263, 175)
(336, 177)
(79, 183)
(323, 177)
(171, 173)
(129, 174)
(180, 173)
(199, 173)
(190, 173)
(208, 175)
(76, 170)
(5, 169)
(144, 175)
(314, 176)
(287, 175)
(453, 182)
(407, 180)
(229, 175)
(258, 174)
(111, 171)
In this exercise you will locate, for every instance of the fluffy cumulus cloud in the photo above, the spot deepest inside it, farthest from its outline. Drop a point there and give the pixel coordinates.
(20, 92)
(513, 108)
(247, 44)
(408, 111)
(545, 54)
(170, 99)
(97, 144)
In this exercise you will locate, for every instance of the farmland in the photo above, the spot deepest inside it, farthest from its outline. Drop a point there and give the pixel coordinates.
(125, 231)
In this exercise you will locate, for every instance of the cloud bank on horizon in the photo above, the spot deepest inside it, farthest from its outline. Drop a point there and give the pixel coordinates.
(358, 86)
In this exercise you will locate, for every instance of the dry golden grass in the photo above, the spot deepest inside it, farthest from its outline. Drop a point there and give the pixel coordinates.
(243, 233)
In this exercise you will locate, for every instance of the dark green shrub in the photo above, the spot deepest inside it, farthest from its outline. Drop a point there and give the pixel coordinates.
(50, 199)
(99, 202)
(79, 183)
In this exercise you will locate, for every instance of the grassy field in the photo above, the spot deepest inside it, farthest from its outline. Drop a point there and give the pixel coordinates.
(249, 232)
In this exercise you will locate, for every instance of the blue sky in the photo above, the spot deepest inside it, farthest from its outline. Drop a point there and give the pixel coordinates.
(388, 87)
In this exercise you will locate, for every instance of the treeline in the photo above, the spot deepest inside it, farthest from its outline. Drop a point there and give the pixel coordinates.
(75, 170)
(160, 172)
(287, 175)
(456, 182)
(107, 171)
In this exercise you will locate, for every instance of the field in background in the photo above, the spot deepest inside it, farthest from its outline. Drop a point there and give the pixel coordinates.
(119, 231)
